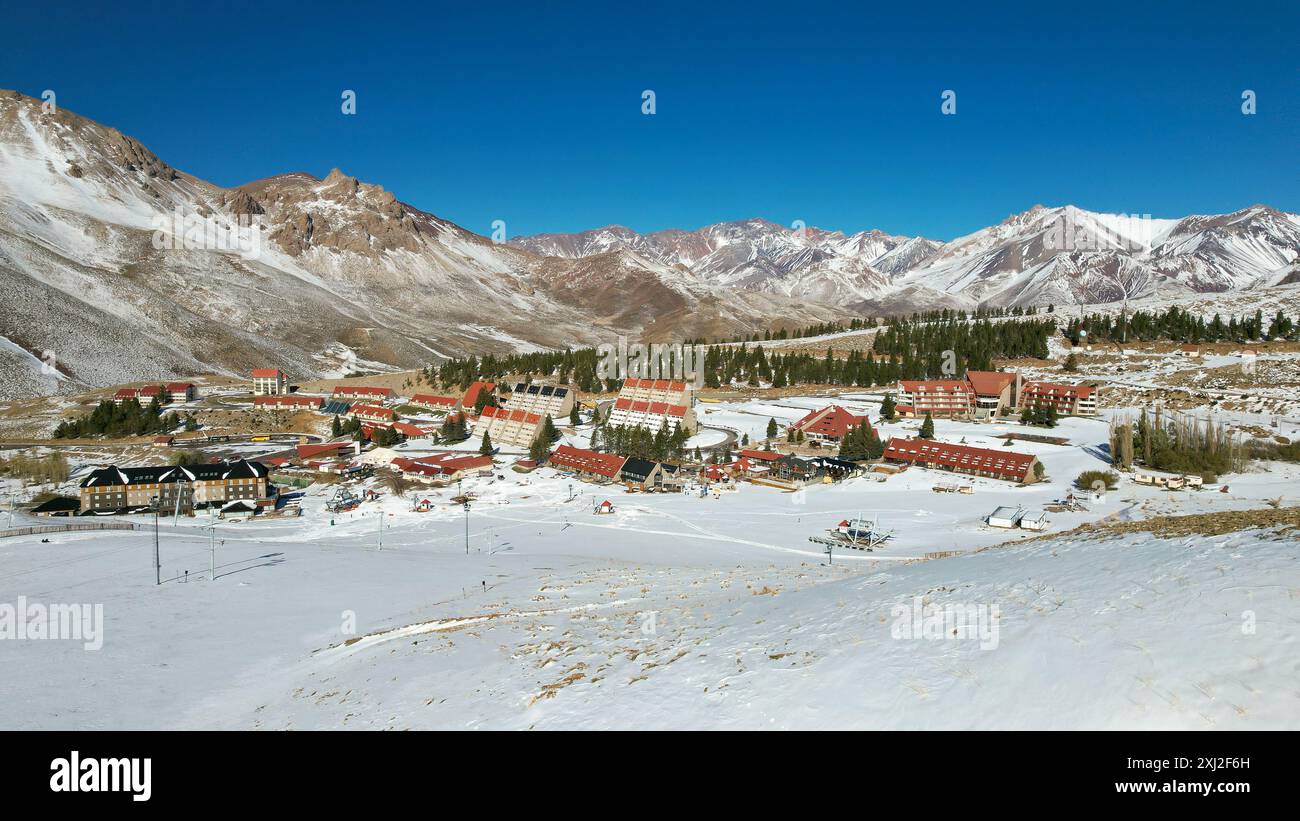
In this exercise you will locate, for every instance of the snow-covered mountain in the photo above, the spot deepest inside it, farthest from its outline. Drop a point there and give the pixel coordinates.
(1044, 255)
(118, 267)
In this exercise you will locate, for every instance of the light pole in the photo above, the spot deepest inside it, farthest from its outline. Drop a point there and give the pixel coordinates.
(212, 543)
(155, 503)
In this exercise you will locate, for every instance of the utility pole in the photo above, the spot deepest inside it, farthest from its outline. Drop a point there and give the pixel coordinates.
(212, 543)
(156, 503)
(381, 529)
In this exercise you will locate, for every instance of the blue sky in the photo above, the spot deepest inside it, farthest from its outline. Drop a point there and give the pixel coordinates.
(531, 113)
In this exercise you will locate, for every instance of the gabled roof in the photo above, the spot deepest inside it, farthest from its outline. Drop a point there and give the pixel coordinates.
(268, 373)
(947, 386)
(655, 384)
(361, 390)
(761, 455)
(436, 401)
(1054, 389)
(831, 420)
(471, 393)
(587, 461)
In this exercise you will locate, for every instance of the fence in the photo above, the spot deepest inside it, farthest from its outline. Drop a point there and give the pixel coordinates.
(37, 530)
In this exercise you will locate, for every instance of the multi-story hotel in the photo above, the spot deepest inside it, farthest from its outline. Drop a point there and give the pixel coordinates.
(270, 382)
(112, 489)
(510, 427)
(937, 397)
(1069, 400)
(654, 403)
(541, 399)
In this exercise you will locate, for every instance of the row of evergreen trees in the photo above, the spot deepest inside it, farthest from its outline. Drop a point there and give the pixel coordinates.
(641, 442)
(1180, 325)
(127, 419)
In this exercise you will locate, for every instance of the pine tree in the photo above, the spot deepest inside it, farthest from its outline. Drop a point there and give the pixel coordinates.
(887, 407)
(771, 429)
(486, 447)
(927, 427)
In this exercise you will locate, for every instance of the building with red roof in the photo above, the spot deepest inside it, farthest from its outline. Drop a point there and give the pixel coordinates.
(288, 402)
(372, 413)
(435, 403)
(470, 400)
(1073, 400)
(994, 464)
(444, 466)
(125, 394)
(601, 467)
(938, 397)
(362, 392)
(328, 449)
(829, 424)
(182, 391)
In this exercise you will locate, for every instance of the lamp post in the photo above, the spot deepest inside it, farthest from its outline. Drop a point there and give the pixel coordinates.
(155, 503)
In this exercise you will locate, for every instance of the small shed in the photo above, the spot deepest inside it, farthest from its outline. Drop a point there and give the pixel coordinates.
(1036, 520)
(1007, 517)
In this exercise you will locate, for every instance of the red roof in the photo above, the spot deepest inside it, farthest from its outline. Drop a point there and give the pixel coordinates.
(125, 393)
(179, 387)
(587, 461)
(655, 384)
(654, 408)
(268, 373)
(308, 451)
(430, 399)
(832, 421)
(512, 416)
(151, 390)
(471, 393)
(990, 383)
(442, 464)
(1002, 463)
(1050, 389)
(761, 455)
(948, 386)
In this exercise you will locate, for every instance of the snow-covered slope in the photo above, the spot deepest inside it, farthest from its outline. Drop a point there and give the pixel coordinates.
(93, 268)
(1044, 255)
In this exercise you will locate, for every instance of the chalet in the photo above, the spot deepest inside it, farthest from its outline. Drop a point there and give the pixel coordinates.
(362, 392)
(1192, 351)
(469, 401)
(270, 382)
(654, 404)
(163, 440)
(440, 404)
(648, 475)
(116, 490)
(1069, 400)
(829, 424)
(288, 402)
(994, 464)
(511, 427)
(587, 464)
(554, 400)
(761, 456)
(447, 467)
(371, 413)
(181, 391)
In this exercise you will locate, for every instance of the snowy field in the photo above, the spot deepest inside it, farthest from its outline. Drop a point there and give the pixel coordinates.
(674, 611)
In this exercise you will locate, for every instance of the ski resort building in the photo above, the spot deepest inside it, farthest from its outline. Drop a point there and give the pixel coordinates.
(1070, 400)
(124, 395)
(994, 464)
(270, 382)
(937, 397)
(510, 427)
(181, 392)
(371, 413)
(441, 404)
(288, 402)
(112, 489)
(587, 464)
(362, 392)
(650, 476)
(541, 399)
(996, 392)
(828, 425)
(653, 404)
(447, 467)
(469, 401)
